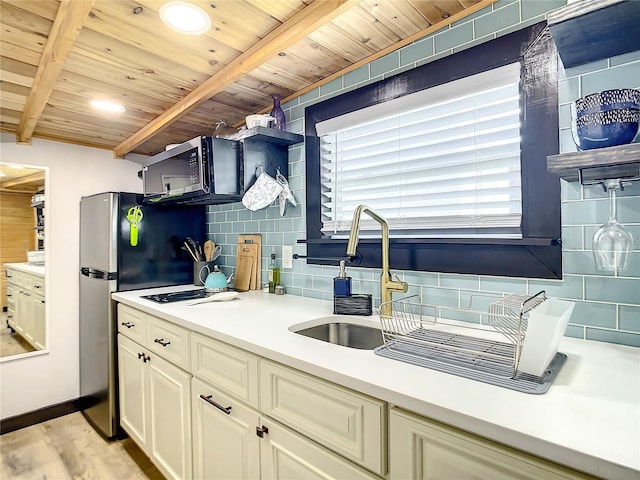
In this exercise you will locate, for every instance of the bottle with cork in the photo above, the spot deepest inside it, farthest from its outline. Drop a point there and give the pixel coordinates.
(274, 272)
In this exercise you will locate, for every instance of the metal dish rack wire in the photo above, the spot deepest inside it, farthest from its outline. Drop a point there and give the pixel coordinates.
(414, 332)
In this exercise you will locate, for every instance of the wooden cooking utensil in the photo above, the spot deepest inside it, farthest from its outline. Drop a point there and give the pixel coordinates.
(208, 247)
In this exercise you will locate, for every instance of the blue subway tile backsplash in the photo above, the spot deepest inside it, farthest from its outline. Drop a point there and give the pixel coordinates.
(626, 76)
(497, 20)
(607, 304)
(453, 37)
(385, 64)
(416, 51)
(533, 8)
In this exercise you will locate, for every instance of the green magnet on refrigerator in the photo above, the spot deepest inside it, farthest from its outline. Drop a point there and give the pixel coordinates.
(134, 217)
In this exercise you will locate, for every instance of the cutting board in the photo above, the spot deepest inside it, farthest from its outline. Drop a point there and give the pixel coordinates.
(251, 245)
(244, 272)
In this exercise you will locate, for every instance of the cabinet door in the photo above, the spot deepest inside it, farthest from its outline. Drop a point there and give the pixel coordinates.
(133, 384)
(170, 417)
(39, 322)
(345, 421)
(225, 444)
(20, 321)
(285, 455)
(423, 449)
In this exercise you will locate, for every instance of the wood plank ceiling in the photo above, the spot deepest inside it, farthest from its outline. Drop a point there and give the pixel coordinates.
(57, 55)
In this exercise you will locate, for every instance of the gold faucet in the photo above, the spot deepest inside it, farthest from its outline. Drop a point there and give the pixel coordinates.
(387, 284)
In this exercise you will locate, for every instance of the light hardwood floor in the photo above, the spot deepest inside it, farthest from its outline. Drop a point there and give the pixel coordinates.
(69, 448)
(11, 344)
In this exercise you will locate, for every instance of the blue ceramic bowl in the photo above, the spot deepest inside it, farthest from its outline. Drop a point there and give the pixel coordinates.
(606, 129)
(616, 99)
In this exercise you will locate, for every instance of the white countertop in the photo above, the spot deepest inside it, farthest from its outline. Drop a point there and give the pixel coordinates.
(27, 268)
(588, 420)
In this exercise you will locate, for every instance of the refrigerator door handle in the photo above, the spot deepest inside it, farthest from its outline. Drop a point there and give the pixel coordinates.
(98, 274)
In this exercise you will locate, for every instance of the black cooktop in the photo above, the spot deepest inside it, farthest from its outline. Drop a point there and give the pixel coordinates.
(177, 296)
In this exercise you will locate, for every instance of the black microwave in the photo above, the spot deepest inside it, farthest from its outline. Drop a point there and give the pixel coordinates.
(201, 170)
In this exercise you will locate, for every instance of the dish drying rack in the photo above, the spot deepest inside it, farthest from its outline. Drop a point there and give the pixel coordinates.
(488, 351)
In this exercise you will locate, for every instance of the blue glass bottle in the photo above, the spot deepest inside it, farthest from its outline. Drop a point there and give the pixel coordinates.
(280, 122)
(342, 283)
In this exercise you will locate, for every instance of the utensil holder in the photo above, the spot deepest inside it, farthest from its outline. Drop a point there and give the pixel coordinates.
(200, 272)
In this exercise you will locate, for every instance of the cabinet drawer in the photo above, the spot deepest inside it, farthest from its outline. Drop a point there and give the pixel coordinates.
(168, 340)
(228, 368)
(132, 323)
(14, 276)
(286, 455)
(344, 421)
(11, 295)
(421, 448)
(35, 284)
(17, 278)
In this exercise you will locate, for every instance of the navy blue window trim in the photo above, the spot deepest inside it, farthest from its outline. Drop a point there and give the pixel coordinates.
(539, 253)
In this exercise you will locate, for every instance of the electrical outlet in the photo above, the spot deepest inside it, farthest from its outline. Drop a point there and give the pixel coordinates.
(287, 256)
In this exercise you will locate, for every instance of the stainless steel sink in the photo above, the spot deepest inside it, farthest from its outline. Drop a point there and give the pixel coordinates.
(347, 334)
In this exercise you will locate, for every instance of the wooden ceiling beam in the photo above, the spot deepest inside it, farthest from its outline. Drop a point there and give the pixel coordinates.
(297, 27)
(22, 181)
(66, 26)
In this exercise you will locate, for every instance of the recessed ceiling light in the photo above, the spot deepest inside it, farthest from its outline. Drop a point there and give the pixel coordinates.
(185, 18)
(107, 106)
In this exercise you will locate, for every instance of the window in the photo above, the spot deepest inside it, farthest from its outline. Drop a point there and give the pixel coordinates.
(515, 232)
(442, 162)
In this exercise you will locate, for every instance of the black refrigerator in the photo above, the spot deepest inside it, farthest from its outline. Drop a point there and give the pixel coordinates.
(124, 245)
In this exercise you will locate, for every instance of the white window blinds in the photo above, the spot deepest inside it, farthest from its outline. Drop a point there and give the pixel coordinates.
(443, 162)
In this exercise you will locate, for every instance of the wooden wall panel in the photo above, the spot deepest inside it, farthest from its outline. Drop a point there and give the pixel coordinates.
(17, 235)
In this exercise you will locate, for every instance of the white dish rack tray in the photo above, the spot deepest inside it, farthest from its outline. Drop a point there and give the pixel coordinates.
(496, 339)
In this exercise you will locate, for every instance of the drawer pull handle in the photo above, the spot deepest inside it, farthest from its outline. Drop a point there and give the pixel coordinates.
(207, 398)
(145, 358)
(128, 325)
(162, 341)
(261, 431)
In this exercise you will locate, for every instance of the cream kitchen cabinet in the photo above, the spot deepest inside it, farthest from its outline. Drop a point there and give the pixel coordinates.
(26, 306)
(424, 449)
(286, 455)
(225, 444)
(155, 394)
(133, 381)
(232, 441)
(12, 295)
(234, 438)
(347, 422)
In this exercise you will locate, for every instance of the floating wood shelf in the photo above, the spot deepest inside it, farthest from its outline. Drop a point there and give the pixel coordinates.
(590, 30)
(621, 161)
(268, 135)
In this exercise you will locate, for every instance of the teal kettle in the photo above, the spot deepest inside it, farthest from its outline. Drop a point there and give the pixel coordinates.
(216, 281)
